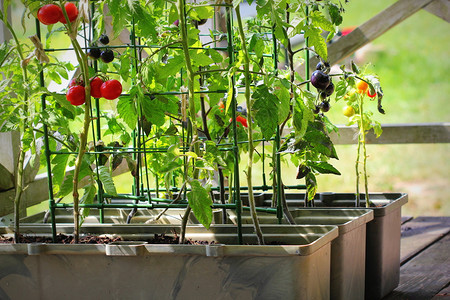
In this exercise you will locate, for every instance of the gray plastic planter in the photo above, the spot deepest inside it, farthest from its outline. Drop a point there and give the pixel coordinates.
(136, 270)
(348, 250)
(382, 236)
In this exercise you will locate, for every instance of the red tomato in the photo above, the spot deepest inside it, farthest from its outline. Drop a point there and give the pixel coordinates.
(111, 89)
(242, 120)
(96, 84)
(49, 14)
(371, 95)
(72, 12)
(76, 95)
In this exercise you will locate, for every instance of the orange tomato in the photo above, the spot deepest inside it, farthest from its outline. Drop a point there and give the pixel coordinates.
(362, 86)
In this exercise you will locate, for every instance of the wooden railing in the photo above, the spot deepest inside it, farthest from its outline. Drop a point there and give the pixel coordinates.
(37, 189)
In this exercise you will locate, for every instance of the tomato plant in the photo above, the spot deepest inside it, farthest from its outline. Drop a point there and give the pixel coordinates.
(183, 95)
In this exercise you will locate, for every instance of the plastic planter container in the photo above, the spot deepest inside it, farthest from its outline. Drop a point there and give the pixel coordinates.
(382, 236)
(298, 269)
(348, 250)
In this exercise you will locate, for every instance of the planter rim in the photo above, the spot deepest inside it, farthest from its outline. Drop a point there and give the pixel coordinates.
(318, 235)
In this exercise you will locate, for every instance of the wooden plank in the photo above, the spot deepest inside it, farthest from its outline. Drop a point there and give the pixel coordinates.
(425, 275)
(37, 191)
(373, 28)
(420, 233)
(440, 8)
(443, 294)
(420, 133)
(406, 219)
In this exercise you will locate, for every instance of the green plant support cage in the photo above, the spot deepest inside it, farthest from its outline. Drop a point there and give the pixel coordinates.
(145, 194)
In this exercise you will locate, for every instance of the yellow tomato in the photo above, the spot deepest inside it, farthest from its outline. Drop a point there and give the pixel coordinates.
(348, 111)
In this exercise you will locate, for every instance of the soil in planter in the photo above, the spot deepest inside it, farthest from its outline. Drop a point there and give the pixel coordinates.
(93, 239)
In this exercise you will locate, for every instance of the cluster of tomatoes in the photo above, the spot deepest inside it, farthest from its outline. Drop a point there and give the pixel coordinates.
(106, 55)
(51, 13)
(362, 87)
(109, 89)
(324, 85)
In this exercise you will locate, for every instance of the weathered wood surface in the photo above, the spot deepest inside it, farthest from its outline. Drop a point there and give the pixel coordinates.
(440, 8)
(373, 28)
(397, 134)
(426, 273)
(420, 233)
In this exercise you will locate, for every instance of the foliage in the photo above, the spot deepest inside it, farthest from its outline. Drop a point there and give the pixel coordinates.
(181, 98)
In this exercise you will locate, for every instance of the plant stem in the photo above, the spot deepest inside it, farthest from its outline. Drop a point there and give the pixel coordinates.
(181, 8)
(363, 142)
(19, 185)
(358, 196)
(82, 60)
(251, 147)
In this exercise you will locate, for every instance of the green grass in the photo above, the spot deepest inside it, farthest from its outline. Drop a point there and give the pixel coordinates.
(411, 61)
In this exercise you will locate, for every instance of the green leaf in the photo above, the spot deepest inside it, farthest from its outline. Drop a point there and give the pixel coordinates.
(324, 167)
(199, 58)
(120, 13)
(311, 185)
(319, 20)
(106, 179)
(283, 95)
(88, 198)
(256, 45)
(300, 118)
(316, 40)
(265, 106)
(126, 107)
(200, 202)
(153, 110)
(321, 142)
(340, 89)
(335, 14)
(59, 163)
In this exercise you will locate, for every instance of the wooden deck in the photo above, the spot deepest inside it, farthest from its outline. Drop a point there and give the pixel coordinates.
(425, 259)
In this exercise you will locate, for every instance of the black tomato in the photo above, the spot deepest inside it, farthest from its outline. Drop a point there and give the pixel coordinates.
(104, 39)
(94, 53)
(107, 56)
(325, 106)
(320, 80)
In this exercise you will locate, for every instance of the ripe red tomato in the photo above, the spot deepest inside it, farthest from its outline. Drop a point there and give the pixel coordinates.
(76, 95)
(111, 89)
(96, 84)
(72, 12)
(371, 95)
(242, 120)
(49, 14)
